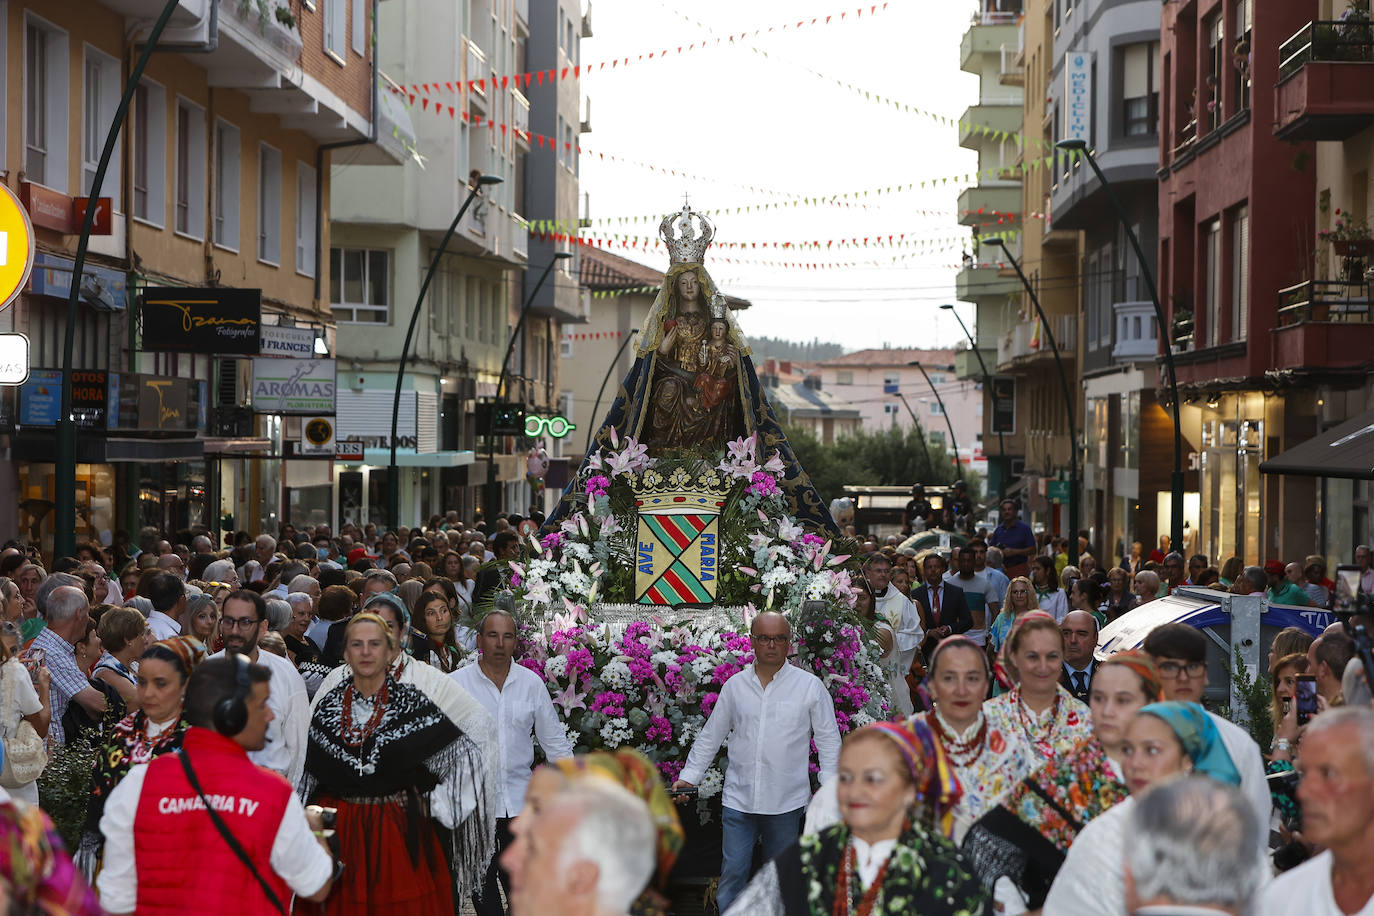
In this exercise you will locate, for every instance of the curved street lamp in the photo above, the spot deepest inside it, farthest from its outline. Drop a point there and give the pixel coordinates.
(1176, 478)
(987, 385)
(393, 479)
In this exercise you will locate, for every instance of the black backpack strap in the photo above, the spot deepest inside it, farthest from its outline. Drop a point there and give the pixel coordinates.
(229, 836)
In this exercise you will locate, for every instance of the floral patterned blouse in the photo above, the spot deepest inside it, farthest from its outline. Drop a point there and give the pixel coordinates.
(1049, 734)
(992, 771)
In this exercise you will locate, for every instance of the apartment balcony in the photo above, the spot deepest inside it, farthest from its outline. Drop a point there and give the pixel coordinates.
(520, 118)
(395, 129)
(490, 230)
(520, 238)
(982, 280)
(189, 14)
(985, 36)
(987, 118)
(1325, 71)
(522, 14)
(587, 22)
(475, 68)
(966, 365)
(1013, 71)
(983, 205)
(1026, 342)
(1137, 332)
(1323, 324)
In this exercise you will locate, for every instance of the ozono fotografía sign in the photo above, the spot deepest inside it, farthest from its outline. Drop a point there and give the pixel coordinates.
(211, 320)
(295, 386)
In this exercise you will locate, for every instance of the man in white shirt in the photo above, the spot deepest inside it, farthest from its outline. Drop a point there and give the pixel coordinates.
(1337, 796)
(518, 701)
(168, 595)
(901, 613)
(979, 593)
(1180, 652)
(770, 711)
(242, 624)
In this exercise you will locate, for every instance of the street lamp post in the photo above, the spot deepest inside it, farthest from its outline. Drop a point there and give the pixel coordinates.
(1069, 401)
(393, 479)
(920, 433)
(987, 385)
(1176, 478)
(948, 422)
(490, 497)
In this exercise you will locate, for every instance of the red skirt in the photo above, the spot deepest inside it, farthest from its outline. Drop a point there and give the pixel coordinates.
(379, 876)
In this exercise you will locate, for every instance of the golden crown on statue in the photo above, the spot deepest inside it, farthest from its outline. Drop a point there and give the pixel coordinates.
(681, 490)
(686, 246)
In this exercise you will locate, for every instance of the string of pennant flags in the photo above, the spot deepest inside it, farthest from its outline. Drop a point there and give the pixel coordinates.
(891, 240)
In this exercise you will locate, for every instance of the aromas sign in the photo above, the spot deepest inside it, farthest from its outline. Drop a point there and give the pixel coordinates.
(295, 386)
(212, 320)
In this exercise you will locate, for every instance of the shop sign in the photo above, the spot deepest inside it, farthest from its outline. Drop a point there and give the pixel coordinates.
(556, 427)
(101, 287)
(1058, 490)
(1003, 405)
(293, 386)
(16, 246)
(101, 226)
(348, 449)
(90, 397)
(317, 436)
(275, 340)
(48, 209)
(210, 320)
(1078, 96)
(40, 400)
(162, 403)
(14, 359)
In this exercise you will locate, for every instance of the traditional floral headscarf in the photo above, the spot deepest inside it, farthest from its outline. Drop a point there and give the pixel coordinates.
(1141, 664)
(1199, 736)
(937, 788)
(188, 650)
(634, 772)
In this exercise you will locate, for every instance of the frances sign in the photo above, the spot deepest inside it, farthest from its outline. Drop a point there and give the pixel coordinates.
(211, 320)
(295, 386)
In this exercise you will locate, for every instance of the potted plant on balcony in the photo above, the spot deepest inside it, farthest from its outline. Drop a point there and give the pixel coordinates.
(1181, 326)
(1349, 238)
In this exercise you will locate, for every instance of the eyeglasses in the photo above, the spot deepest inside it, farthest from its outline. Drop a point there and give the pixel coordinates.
(771, 640)
(239, 623)
(1174, 669)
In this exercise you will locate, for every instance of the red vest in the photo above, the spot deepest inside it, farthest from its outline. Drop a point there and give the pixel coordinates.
(184, 864)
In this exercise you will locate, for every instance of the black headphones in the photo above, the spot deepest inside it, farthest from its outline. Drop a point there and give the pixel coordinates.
(231, 713)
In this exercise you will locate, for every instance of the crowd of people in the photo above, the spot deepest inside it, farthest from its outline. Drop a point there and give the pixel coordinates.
(328, 722)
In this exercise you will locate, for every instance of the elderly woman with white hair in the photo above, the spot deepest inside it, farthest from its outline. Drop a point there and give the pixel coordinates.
(223, 572)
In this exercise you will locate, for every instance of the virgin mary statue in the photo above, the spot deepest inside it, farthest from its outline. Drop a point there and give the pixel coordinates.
(692, 385)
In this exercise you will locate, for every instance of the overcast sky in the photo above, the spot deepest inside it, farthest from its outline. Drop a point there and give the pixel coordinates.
(750, 114)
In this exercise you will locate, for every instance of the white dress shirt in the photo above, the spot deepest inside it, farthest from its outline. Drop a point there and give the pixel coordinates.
(520, 706)
(770, 730)
(163, 627)
(1245, 754)
(289, 701)
(300, 861)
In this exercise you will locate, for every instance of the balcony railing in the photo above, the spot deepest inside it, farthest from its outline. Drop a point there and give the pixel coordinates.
(1013, 74)
(996, 17)
(477, 69)
(1324, 300)
(520, 112)
(1327, 40)
(1028, 338)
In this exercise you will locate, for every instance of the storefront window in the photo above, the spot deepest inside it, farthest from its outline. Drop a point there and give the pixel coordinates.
(95, 503)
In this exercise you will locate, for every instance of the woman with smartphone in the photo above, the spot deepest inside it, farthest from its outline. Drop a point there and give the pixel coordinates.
(24, 697)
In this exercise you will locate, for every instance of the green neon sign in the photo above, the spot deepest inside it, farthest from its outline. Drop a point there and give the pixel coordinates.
(555, 427)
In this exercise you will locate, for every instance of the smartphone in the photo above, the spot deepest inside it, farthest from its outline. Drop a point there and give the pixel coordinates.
(1306, 698)
(685, 791)
(32, 659)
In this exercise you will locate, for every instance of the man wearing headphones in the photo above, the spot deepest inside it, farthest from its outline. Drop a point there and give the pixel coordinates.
(206, 830)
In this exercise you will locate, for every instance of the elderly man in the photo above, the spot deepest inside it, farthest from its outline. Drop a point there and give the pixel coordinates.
(589, 853)
(67, 613)
(1252, 579)
(1080, 639)
(1174, 574)
(264, 549)
(519, 703)
(1337, 796)
(1190, 850)
(1327, 657)
(900, 613)
(222, 571)
(770, 711)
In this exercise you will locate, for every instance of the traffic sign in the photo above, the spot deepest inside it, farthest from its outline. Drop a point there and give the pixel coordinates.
(14, 359)
(16, 246)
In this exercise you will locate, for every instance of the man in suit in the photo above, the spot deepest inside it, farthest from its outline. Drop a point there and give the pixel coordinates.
(945, 604)
(1080, 638)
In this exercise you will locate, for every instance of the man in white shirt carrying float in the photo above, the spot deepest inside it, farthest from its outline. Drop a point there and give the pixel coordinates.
(518, 701)
(770, 711)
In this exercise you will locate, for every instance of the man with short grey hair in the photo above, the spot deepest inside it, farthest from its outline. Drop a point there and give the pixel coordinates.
(589, 853)
(309, 587)
(50, 585)
(67, 615)
(223, 571)
(1189, 851)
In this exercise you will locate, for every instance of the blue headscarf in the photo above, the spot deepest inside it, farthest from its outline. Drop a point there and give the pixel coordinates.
(1200, 738)
(398, 604)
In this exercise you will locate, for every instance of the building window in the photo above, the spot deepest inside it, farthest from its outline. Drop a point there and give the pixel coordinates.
(360, 285)
(269, 204)
(305, 219)
(45, 105)
(1240, 52)
(891, 410)
(227, 170)
(936, 409)
(190, 170)
(565, 348)
(1212, 265)
(844, 377)
(102, 90)
(1140, 89)
(1240, 273)
(1216, 50)
(150, 153)
(335, 28)
(360, 27)
(937, 378)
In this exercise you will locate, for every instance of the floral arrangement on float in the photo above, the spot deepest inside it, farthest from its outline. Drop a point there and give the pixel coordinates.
(627, 672)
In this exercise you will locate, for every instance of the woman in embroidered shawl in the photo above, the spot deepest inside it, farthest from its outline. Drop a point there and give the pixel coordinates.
(1163, 741)
(1018, 847)
(1038, 708)
(155, 729)
(396, 746)
(888, 855)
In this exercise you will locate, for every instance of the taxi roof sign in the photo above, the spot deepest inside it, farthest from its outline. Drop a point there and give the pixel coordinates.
(16, 246)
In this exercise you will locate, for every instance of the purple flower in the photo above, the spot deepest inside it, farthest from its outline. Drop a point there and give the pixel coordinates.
(598, 485)
(552, 540)
(610, 703)
(660, 730)
(708, 703)
(762, 484)
(671, 770)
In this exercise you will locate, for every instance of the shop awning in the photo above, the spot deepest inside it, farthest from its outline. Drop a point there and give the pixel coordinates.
(220, 445)
(1345, 451)
(411, 459)
(153, 450)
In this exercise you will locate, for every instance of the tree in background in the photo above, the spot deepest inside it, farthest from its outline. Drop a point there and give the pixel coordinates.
(814, 351)
(888, 457)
